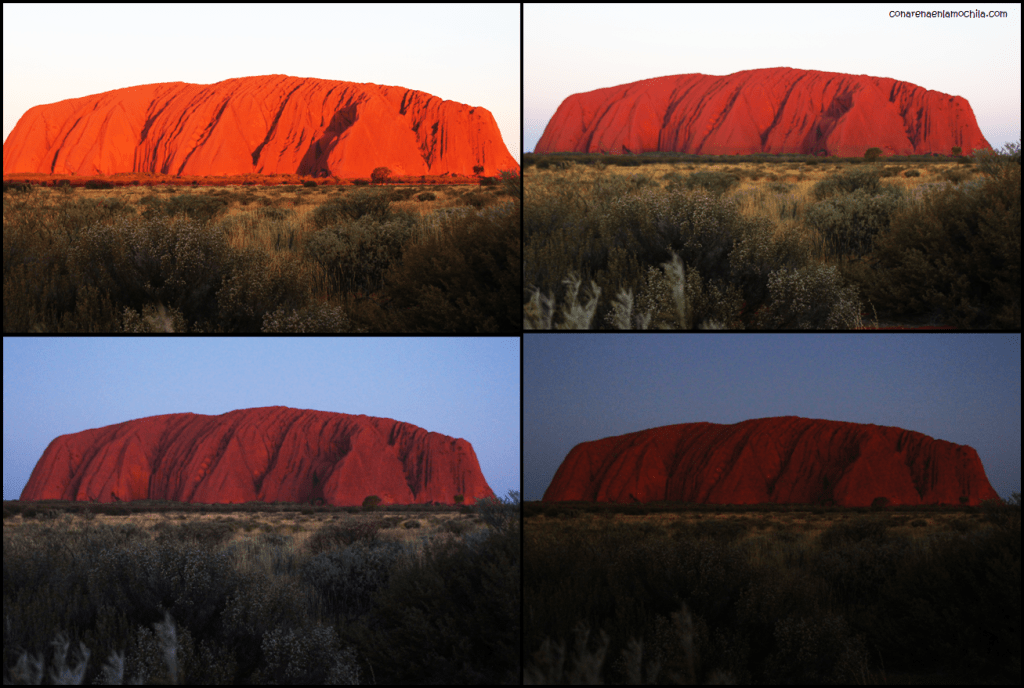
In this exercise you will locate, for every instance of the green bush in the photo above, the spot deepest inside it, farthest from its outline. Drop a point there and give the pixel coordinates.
(359, 253)
(462, 276)
(352, 206)
(847, 182)
(199, 207)
(717, 183)
(347, 579)
(848, 223)
(958, 253)
(812, 297)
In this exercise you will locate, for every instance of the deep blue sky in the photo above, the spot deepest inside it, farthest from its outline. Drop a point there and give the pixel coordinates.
(462, 387)
(963, 388)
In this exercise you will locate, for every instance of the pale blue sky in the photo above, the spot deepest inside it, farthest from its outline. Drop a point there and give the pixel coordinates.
(962, 388)
(571, 50)
(469, 53)
(462, 387)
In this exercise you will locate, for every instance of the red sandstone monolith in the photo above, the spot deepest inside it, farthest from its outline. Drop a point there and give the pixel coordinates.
(257, 125)
(785, 460)
(778, 110)
(260, 454)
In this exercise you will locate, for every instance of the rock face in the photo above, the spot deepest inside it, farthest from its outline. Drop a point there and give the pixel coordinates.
(257, 125)
(778, 460)
(261, 454)
(764, 111)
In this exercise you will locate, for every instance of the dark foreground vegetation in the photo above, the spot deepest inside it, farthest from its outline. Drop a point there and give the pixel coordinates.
(287, 594)
(771, 242)
(774, 595)
(263, 259)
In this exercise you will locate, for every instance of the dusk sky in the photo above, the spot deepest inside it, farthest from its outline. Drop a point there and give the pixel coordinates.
(463, 387)
(469, 53)
(567, 50)
(963, 388)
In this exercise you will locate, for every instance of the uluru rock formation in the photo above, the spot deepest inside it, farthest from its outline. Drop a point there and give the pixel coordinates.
(779, 110)
(261, 454)
(785, 460)
(257, 125)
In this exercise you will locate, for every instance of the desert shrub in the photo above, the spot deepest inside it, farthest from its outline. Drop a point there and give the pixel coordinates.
(820, 649)
(957, 252)
(475, 199)
(312, 318)
(848, 223)
(757, 253)
(307, 656)
(135, 262)
(451, 615)
(255, 285)
(912, 173)
(464, 276)
(191, 582)
(352, 206)
(358, 253)
(812, 297)
(206, 533)
(202, 208)
(956, 175)
(993, 163)
(872, 154)
(856, 530)
(98, 184)
(427, 196)
(275, 214)
(500, 513)
(371, 502)
(309, 184)
(336, 536)
(380, 175)
(847, 182)
(347, 579)
(456, 527)
(650, 224)
(716, 183)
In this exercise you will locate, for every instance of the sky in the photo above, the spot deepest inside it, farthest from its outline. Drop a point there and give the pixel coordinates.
(462, 387)
(469, 53)
(568, 51)
(962, 388)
